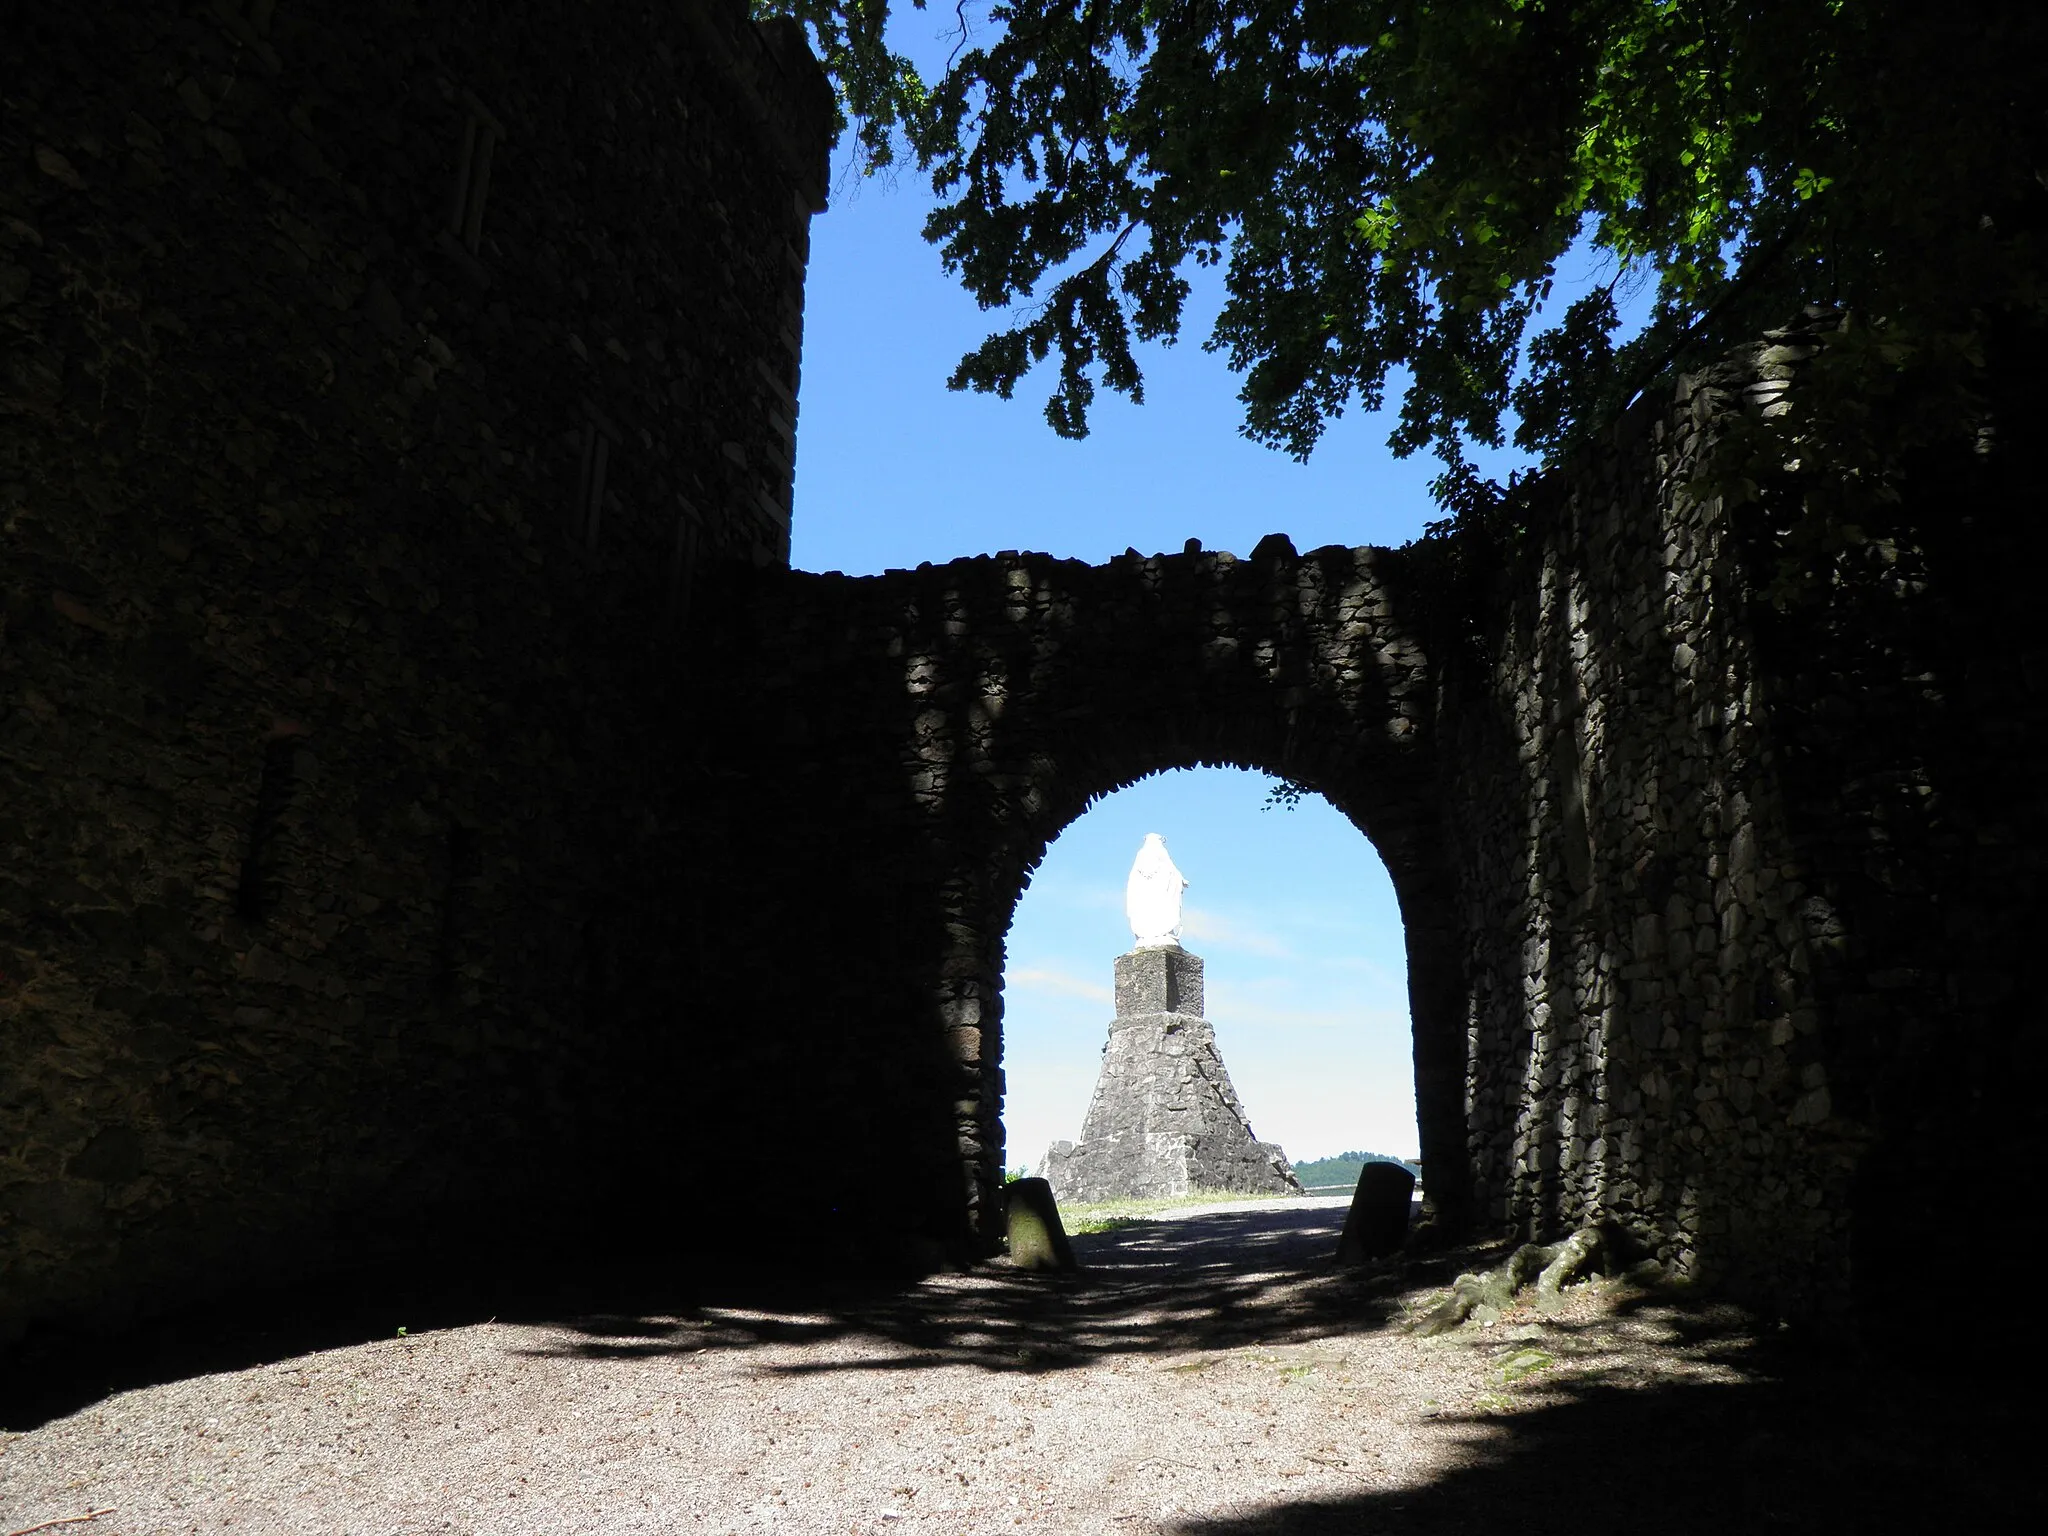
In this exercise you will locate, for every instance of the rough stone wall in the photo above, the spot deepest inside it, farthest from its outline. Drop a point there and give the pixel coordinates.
(376, 384)
(1905, 683)
(1748, 847)
(1644, 1038)
(1569, 780)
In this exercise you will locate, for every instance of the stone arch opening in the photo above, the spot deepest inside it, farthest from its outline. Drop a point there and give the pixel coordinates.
(1435, 1020)
(1293, 919)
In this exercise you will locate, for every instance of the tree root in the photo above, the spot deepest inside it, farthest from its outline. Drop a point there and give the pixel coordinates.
(1553, 1266)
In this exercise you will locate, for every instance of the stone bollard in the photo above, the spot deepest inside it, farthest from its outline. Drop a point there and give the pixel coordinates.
(1378, 1222)
(1037, 1240)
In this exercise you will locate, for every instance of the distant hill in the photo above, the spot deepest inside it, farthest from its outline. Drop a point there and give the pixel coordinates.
(1343, 1169)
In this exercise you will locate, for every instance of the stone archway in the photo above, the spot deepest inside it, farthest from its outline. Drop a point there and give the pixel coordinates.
(1561, 747)
(969, 712)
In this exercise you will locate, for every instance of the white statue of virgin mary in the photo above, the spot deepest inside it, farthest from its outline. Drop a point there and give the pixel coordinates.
(1152, 896)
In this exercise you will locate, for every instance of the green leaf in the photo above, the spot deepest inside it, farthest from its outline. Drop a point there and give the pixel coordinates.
(1391, 191)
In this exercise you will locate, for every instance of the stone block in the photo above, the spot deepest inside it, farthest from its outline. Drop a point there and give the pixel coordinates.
(1378, 1221)
(1158, 981)
(1038, 1240)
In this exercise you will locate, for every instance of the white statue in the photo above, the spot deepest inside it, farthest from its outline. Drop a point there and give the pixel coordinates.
(1152, 896)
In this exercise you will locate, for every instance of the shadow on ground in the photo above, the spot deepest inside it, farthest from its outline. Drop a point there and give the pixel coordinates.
(1802, 1449)
(1790, 1438)
(1207, 1281)
(1782, 1439)
(1222, 1279)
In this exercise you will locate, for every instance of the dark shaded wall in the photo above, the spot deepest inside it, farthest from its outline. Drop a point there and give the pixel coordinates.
(376, 386)
(1753, 844)
(1905, 680)
(1644, 1030)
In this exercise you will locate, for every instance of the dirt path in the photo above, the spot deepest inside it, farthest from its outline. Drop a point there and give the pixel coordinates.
(1207, 1374)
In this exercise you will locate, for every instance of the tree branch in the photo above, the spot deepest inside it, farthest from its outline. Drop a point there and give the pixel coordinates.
(26, 1530)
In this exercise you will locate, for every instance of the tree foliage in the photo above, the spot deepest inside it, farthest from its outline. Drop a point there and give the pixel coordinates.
(1345, 1167)
(1390, 186)
(1284, 794)
(879, 93)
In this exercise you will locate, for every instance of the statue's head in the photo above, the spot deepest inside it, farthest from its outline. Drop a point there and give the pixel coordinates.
(1155, 863)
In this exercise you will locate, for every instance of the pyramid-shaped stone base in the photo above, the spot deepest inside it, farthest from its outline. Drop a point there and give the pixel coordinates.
(1164, 1120)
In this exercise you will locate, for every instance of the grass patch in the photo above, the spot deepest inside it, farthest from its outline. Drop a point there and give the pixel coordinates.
(1524, 1362)
(1115, 1215)
(1088, 1224)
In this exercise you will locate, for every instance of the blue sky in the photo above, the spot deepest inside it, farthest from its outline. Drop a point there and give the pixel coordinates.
(1292, 911)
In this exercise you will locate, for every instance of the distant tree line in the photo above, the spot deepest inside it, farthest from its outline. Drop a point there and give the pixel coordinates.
(1345, 1167)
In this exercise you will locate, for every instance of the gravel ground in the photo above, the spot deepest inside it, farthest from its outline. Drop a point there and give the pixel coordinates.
(1206, 1374)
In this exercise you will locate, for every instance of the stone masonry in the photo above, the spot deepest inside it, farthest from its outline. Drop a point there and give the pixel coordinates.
(1164, 1120)
(418, 766)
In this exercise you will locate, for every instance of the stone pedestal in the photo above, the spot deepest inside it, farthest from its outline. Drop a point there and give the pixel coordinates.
(1164, 1121)
(1158, 981)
